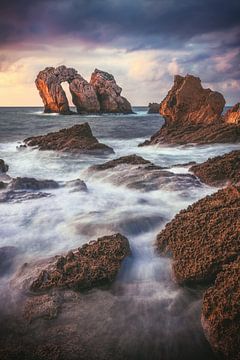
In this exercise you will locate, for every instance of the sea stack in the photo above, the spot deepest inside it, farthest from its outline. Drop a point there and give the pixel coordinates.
(194, 115)
(109, 93)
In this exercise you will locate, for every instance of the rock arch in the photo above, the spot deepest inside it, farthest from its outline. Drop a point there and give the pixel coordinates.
(102, 94)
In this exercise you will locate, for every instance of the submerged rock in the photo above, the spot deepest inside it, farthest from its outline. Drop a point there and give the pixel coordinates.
(221, 312)
(25, 183)
(76, 185)
(16, 196)
(78, 139)
(91, 265)
(193, 115)
(7, 256)
(204, 237)
(220, 170)
(109, 93)
(137, 173)
(153, 108)
(3, 166)
(232, 116)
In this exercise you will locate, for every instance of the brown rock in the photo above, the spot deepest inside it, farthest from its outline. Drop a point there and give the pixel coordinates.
(78, 138)
(94, 264)
(220, 170)
(3, 166)
(48, 83)
(188, 103)
(221, 312)
(153, 108)
(109, 93)
(204, 237)
(129, 159)
(232, 116)
(193, 115)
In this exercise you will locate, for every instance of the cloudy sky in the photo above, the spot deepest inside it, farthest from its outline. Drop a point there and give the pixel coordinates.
(142, 42)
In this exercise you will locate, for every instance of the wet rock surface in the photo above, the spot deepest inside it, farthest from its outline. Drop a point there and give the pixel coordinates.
(76, 185)
(93, 264)
(153, 108)
(109, 93)
(204, 237)
(21, 195)
(25, 183)
(3, 166)
(137, 173)
(221, 312)
(76, 139)
(194, 115)
(220, 170)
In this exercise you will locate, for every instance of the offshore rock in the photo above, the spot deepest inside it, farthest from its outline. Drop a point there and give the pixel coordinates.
(76, 139)
(220, 170)
(232, 116)
(153, 108)
(3, 166)
(26, 183)
(109, 93)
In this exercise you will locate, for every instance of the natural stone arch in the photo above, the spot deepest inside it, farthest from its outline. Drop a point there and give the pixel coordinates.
(54, 98)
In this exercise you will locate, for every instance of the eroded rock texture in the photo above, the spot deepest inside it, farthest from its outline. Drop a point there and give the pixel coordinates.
(193, 115)
(204, 237)
(109, 93)
(232, 116)
(220, 170)
(221, 312)
(78, 138)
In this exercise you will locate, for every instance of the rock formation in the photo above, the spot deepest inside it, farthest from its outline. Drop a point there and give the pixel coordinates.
(232, 116)
(193, 115)
(153, 108)
(109, 93)
(26, 183)
(102, 94)
(78, 139)
(3, 166)
(220, 170)
(93, 264)
(135, 172)
(221, 312)
(204, 241)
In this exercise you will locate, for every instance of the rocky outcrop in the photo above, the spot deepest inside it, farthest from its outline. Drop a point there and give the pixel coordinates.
(204, 237)
(220, 170)
(102, 94)
(76, 139)
(76, 185)
(25, 183)
(3, 166)
(193, 115)
(221, 312)
(232, 116)
(94, 264)
(204, 241)
(137, 173)
(153, 108)
(109, 93)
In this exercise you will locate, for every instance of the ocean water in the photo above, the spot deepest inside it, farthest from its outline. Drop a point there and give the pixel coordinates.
(145, 315)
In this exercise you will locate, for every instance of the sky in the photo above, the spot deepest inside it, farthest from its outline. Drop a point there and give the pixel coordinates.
(143, 43)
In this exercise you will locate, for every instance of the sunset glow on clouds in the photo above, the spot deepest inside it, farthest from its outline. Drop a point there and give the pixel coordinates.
(142, 43)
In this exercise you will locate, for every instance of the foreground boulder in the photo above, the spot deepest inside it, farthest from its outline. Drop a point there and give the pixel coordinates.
(3, 166)
(193, 115)
(93, 264)
(153, 108)
(221, 312)
(109, 93)
(78, 139)
(220, 170)
(232, 116)
(135, 172)
(204, 237)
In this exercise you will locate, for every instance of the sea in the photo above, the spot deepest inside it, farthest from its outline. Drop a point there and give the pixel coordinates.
(144, 315)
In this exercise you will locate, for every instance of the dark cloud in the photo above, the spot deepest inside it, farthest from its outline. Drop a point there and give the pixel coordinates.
(133, 24)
